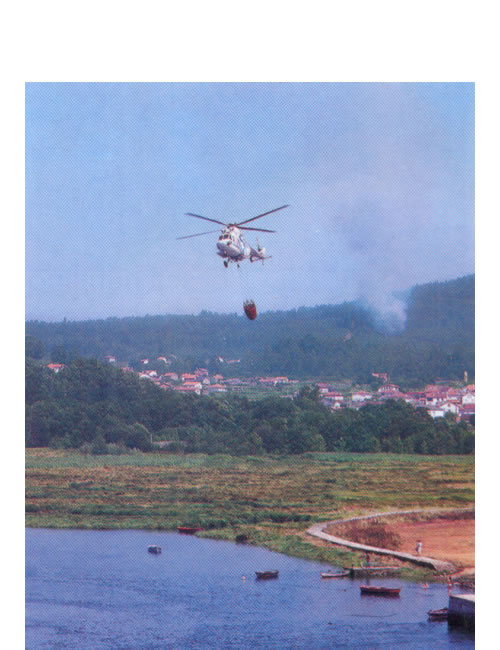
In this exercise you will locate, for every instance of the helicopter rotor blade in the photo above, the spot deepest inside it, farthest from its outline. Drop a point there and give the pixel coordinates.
(208, 232)
(256, 229)
(261, 215)
(198, 216)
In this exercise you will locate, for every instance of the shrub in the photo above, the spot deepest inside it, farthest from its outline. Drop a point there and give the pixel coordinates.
(371, 534)
(117, 449)
(61, 443)
(99, 446)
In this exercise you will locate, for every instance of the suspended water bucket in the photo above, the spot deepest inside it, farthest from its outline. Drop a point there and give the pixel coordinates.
(250, 309)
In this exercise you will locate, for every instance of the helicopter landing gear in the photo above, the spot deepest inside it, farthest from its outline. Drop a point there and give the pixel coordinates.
(226, 263)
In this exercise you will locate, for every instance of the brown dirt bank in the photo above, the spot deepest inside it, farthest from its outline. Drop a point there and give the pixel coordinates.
(449, 538)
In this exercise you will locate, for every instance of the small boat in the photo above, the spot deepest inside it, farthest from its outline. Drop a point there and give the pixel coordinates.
(266, 575)
(154, 549)
(379, 591)
(438, 614)
(188, 530)
(338, 574)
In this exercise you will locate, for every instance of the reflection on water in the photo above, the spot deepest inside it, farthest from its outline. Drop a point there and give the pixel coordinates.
(102, 589)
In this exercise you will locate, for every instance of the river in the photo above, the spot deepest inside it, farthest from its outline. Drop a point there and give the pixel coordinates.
(102, 589)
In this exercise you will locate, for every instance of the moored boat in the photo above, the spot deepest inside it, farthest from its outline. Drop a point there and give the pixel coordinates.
(379, 591)
(154, 549)
(189, 530)
(438, 614)
(266, 575)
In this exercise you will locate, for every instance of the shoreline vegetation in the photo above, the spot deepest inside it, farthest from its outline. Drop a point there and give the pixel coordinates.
(268, 501)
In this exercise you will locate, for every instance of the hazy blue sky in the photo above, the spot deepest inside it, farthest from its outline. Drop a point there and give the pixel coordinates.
(379, 178)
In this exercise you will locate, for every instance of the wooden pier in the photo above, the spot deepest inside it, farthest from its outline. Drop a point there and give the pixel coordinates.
(363, 571)
(462, 610)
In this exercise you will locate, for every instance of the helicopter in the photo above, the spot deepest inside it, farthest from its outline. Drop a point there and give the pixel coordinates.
(231, 244)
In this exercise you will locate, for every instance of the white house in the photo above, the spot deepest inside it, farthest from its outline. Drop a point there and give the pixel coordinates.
(193, 384)
(435, 412)
(170, 376)
(215, 388)
(450, 407)
(56, 367)
(361, 396)
(188, 389)
(333, 396)
(388, 388)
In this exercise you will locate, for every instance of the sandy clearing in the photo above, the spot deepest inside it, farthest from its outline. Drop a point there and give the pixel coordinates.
(451, 540)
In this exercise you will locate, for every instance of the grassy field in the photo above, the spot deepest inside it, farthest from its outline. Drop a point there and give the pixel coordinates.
(270, 501)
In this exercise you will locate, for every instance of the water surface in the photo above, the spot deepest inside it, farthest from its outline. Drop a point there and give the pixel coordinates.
(102, 589)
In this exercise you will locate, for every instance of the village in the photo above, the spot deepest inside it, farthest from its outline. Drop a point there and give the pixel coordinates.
(438, 399)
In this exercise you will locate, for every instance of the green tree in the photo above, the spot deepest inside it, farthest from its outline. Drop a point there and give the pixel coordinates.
(61, 354)
(34, 348)
(99, 446)
(138, 437)
(38, 382)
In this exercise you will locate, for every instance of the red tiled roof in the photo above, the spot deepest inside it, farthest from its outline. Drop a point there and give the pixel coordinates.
(187, 389)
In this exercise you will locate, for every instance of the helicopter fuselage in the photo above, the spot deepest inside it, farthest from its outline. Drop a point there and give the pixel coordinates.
(232, 246)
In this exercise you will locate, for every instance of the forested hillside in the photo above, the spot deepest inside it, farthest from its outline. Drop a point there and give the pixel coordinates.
(100, 409)
(339, 341)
